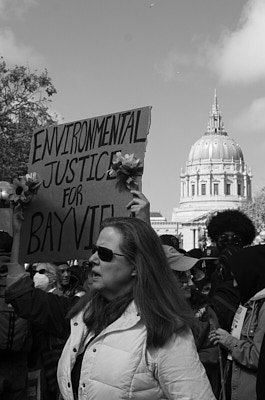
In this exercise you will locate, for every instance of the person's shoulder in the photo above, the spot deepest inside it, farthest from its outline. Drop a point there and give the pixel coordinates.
(182, 338)
(79, 291)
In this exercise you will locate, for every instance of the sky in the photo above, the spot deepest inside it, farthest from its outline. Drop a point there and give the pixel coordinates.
(106, 56)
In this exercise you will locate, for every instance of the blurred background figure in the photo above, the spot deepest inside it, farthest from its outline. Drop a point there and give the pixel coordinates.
(47, 348)
(15, 337)
(70, 280)
(198, 271)
(230, 228)
(45, 276)
(248, 327)
(171, 240)
(88, 278)
(182, 266)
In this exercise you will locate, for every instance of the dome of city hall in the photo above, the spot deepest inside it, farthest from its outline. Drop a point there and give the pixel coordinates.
(215, 178)
(215, 144)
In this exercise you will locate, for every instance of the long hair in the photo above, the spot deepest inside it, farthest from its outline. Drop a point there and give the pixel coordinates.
(156, 293)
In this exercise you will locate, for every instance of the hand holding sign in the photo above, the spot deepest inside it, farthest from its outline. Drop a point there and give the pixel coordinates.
(139, 206)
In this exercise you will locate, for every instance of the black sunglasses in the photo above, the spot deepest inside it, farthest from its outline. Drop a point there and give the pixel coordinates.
(42, 271)
(104, 253)
(230, 239)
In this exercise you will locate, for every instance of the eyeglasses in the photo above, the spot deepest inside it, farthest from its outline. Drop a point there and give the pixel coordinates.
(104, 253)
(42, 271)
(230, 239)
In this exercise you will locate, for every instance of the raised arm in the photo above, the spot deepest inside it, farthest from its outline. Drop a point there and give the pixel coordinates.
(139, 206)
(15, 270)
(46, 309)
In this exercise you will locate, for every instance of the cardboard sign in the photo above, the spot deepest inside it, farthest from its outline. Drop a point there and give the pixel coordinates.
(63, 220)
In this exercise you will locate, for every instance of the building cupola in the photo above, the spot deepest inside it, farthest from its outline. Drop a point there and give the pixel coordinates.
(216, 176)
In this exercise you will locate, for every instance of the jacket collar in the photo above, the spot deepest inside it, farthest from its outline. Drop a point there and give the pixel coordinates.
(127, 320)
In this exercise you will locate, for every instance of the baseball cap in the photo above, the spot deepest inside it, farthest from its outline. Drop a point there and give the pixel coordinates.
(178, 261)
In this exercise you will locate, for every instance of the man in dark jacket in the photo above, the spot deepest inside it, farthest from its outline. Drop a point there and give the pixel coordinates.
(15, 337)
(234, 230)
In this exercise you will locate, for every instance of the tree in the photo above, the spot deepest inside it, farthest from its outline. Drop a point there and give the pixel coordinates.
(24, 106)
(255, 210)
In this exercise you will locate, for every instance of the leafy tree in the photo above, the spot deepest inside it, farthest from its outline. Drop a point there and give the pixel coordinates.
(255, 210)
(24, 106)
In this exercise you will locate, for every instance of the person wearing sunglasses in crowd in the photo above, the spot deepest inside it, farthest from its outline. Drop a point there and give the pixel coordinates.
(46, 347)
(131, 336)
(228, 228)
(46, 276)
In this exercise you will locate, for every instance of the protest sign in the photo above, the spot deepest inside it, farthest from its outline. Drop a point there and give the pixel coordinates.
(76, 194)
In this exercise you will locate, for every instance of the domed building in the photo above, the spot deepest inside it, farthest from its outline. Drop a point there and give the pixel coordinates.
(216, 176)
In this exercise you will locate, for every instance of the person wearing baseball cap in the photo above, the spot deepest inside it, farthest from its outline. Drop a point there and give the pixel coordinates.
(181, 265)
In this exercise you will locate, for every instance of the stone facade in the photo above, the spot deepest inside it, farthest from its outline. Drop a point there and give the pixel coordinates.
(215, 178)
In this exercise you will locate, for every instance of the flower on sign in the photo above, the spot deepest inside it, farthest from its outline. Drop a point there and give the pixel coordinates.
(24, 188)
(126, 168)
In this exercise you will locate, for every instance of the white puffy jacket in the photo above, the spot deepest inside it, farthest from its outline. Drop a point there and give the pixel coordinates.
(117, 365)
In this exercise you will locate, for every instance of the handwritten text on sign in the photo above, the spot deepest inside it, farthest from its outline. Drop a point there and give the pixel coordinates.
(76, 195)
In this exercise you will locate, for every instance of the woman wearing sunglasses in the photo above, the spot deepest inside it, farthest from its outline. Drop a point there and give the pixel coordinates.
(46, 277)
(131, 336)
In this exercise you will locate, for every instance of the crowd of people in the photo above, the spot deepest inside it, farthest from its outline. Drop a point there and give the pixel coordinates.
(141, 319)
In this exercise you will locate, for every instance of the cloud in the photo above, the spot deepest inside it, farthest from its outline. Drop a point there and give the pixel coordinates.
(11, 8)
(252, 119)
(16, 53)
(239, 56)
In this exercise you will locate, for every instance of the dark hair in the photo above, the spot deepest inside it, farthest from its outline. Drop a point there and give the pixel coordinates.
(170, 240)
(5, 242)
(247, 266)
(58, 263)
(232, 220)
(156, 293)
